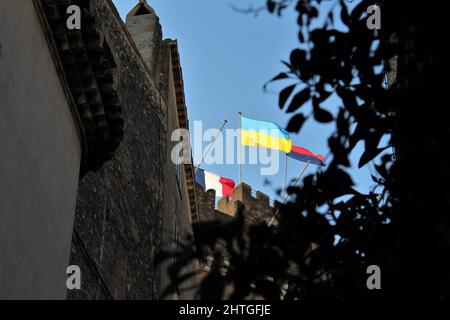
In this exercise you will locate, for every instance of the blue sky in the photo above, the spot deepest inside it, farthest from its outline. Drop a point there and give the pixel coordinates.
(226, 58)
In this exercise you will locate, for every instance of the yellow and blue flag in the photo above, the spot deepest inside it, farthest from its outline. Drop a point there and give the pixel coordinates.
(269, 135)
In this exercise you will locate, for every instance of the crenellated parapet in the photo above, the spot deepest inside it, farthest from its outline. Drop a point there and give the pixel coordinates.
(258, 205)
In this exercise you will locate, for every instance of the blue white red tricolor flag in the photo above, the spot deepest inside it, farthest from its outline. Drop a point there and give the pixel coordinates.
(302, 154)
(209, 180)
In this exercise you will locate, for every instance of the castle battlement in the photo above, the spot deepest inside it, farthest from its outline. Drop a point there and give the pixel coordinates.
(257, 204)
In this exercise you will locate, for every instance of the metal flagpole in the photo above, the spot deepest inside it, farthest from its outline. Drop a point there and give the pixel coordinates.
(240, 147)
(211, 144)
(286, 195)
(285, 175)
(301, 173)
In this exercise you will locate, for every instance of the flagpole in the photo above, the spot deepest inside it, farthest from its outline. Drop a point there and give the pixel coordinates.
(286, 195)
(240, 147)
(301, 173)
(211, 145)
(285, 175)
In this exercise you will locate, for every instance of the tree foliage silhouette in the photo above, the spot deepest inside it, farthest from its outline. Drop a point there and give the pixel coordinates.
(323, 242)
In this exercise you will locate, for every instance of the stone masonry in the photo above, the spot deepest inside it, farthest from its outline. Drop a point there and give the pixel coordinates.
(257, 205)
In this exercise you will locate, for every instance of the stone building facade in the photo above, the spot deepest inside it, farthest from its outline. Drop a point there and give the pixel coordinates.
(86, 119)
(140, 201)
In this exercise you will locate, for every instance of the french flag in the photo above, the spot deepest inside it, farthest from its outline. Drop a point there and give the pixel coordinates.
(209, 180)
(302, 154)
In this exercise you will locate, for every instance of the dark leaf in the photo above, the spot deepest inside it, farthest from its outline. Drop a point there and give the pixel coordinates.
(357, 135)
(340, 153)
(300, 20)
(369, 155)
(314, 13)
(280, 9)
(381, 171)
(271, 6)
(280, 76)
(331, 17)
(349, 99)
(372, 140)
(284, 95)
(324, 95)
(297, 58)
(342, 123)
(301, 37)
(296, 123)
(299, 100)
(336, 182)
(345, 17)
(365, 93)
(321, 115)
(358, 11)
(287, 64)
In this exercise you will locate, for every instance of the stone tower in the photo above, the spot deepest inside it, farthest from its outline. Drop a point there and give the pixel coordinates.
(145, 29)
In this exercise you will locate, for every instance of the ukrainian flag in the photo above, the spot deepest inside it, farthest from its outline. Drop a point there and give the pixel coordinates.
(264, 134)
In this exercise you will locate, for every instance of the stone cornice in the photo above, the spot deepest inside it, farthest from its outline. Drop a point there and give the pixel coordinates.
(184, 124)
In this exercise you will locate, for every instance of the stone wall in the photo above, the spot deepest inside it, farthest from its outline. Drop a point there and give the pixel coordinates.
(258, 206)
(206, 203)
(177, 221)
(118, 225)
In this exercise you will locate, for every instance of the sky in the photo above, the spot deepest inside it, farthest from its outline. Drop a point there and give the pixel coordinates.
(227, 57)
